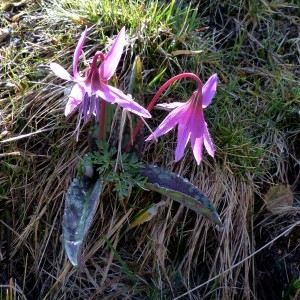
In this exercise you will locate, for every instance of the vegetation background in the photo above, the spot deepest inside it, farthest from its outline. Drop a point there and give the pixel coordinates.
(254, 180)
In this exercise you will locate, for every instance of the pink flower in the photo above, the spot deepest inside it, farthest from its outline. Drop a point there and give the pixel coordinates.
(189, 117)
(89, 90)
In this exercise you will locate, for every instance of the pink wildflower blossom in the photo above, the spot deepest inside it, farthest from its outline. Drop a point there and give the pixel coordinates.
(93, 87)
(189, 117)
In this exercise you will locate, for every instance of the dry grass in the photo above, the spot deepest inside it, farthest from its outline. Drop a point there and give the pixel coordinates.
(254, 121)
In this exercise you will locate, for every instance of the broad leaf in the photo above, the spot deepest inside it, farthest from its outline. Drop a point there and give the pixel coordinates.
(179, 189)
(80, 206)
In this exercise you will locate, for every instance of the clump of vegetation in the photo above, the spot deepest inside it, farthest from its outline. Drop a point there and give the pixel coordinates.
(254, 122)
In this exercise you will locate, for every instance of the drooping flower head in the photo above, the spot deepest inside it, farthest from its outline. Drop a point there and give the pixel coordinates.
(89, 89)
(189, 117)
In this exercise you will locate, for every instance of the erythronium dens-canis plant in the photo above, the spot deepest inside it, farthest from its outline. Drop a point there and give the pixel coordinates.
(188, 116)
(92, 88)
(91, 93)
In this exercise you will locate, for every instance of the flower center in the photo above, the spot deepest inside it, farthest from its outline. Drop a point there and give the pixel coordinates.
(93, 79)
(196, 100)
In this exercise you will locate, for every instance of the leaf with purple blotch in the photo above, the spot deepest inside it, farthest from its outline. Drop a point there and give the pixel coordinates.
(179, 189)
(80, 206)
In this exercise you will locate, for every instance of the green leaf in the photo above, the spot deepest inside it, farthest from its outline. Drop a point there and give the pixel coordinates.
(136, 89)
(136, 81)
(179, 189)
(81, 202)
(157, 77)
(146, 215)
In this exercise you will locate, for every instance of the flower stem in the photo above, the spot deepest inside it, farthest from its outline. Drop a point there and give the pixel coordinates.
(102, 121)
(155, 98)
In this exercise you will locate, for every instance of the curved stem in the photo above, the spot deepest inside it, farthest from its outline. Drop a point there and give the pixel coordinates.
(169, 82)
(155, 98)
(102, 56)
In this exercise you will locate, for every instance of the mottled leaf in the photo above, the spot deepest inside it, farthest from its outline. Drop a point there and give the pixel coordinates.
(80, 206)
(179, 189)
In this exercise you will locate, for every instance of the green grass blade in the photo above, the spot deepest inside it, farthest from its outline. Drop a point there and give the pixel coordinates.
(121, 261)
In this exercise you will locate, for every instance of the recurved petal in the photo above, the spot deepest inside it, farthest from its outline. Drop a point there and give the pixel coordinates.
(170, 106)
(77, 52)
(114, 95)
(108, 93)
(105, 92)
(184, 132)
(197, 144)
(197, 129)
(166, 125)
(109, 65)
(75, 98)
(208, 143)
(209, 90)
(134, 107)
(181, 144)
(61, 72)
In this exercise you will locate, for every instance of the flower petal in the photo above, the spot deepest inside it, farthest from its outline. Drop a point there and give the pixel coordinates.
(75, 98)
(114, 95)
(94, 103)
(170, 106)
(166, 125)
(61, 72)
(107, 92)
(184, 131)
(85, 106)
(197, 146)
(78, 52)
(208, 142)
(182, 141)
(109, 65)
(134, 107)
(197, 124)
(209, 90)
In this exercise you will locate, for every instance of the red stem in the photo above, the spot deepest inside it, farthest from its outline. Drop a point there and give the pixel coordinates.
(102, 120)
